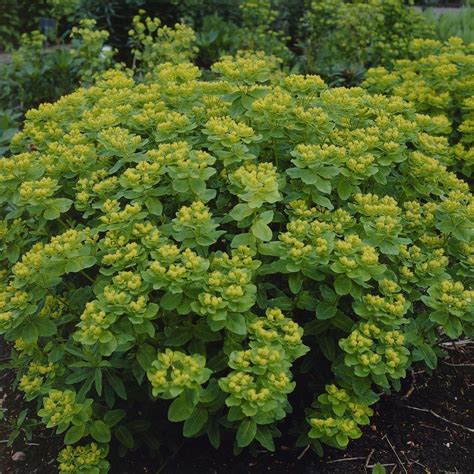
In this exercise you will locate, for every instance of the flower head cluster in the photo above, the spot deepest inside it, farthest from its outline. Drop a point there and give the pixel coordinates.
(83, 459)
(172, 372)
(261, 380)
(453, 306)
(336, 417)
(256, 184)
(60, 408)
(371, 350)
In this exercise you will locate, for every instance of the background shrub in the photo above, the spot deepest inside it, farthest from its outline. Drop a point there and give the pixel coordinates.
(227, 254)
(340, 34)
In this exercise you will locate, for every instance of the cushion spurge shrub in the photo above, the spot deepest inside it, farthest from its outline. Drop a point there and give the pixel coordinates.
(221, 256)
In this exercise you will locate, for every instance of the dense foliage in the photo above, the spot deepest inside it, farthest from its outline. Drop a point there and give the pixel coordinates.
(439, 81)
(204, 249)
(459, 22)
(340, 33)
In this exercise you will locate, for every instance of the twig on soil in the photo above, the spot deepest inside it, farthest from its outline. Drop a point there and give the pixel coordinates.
(426, 410)
(371, 466)
(345, 459)
(454, 344)
(412, 385)
(433, 428)
(368, 458)
(303, 452)
(396, 454)
(458, 365)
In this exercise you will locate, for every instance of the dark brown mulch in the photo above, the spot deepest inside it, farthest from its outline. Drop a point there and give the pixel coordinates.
(402, 437)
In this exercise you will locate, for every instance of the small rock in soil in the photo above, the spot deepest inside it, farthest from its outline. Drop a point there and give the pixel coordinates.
(19, 456)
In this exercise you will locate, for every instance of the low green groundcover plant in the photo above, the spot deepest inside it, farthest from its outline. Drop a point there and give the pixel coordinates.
(226, 255)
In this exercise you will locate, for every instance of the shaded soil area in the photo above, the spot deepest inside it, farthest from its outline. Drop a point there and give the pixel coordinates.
(427, 428)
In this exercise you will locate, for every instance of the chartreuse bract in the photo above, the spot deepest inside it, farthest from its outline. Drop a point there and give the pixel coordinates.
(226, 253)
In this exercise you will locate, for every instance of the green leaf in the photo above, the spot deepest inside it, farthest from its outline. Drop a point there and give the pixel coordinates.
(439, 316)
(378, 469)
(235, 323)
(124, 436)
(246, 433)
(342, 285)
(327, 346)
(429, 355)
(113, 417)
(325, 310)
(100, 432)
(265, 438)
(146, 354)
(344, 189)
(56, 207)
(341, 321)
(261, 230)
(295, 281)
(453, 327)
(195, 422)
(74, 434)
(117, 385)
(171, 301)
(98, 381)
(214, 434)
(181, 408)
(240, 212)
(45, 326)
(80, 263)
(154, 205)
(342, 440)
(323, 201)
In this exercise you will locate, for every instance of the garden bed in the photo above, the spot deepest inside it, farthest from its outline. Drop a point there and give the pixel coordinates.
(400, 436)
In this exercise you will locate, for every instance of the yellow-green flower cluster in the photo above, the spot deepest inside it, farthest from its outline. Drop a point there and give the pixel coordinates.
(229, 290)
(336, 417)
(173, 372)
(153, 44)
(355, 259)
(421, 266)
(230, 140)
(94, 324)
(117, 141)
(61, 248)
(453, 306)
(375, 352)
(60, 407)
(246, 69)
(33, 381)
(387, 309)
(85, 459)
(194, 226)
(276, 328)
(173, 268)
(261, 380)
(256, 184)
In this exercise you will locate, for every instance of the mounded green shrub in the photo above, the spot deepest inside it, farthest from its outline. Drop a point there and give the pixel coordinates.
(364, 32)
(225, 254)
(438, 80)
